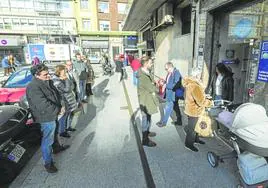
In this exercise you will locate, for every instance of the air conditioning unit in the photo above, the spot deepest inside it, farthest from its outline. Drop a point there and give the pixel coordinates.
(165, 14)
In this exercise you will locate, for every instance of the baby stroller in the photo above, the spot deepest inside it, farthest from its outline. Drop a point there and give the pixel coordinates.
(245, 128)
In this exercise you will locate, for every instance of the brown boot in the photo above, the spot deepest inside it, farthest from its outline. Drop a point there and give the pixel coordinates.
(51, 168)
(146, 141)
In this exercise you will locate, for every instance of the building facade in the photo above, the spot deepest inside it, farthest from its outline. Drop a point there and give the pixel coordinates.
(203, 33)
(100, 25)
(34, 21)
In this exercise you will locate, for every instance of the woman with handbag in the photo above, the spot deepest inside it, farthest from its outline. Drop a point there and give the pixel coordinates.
(195, 104)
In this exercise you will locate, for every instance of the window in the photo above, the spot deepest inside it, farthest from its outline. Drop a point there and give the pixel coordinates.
(84, 4)
(121, 7)
(86, 24)
(7, 23)
(186, 20)
(31, 22)
(120, 26)
(24, 22)
(104, 26)
(103, 7)
(1, 24)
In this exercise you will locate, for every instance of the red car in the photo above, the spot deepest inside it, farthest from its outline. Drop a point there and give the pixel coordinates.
(15, 86)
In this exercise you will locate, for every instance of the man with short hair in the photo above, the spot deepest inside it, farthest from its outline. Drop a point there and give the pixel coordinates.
(147, 99)
(82, 71)
(45, 105)
(173, 76)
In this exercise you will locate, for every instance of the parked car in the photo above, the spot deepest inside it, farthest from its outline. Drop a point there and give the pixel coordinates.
(15, 86)
(18, 141)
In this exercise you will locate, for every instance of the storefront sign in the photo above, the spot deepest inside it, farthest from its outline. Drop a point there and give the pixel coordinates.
(8, 42)
(263, 63)
(57, 52)
(36, 50)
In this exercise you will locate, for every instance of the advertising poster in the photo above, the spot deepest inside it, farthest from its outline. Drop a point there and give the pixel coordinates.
(36, 50)
(57, 52)
(263, 63)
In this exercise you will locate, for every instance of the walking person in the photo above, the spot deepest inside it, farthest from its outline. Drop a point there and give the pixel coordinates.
(64, 86)
(5, 65)
(45, 105)
(173, 76)
(135, 65)
(195, 102)
(147, 100)
(119, 67)
(82, 70)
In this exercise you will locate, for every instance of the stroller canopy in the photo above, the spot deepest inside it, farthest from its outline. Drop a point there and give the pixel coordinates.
(251, 124)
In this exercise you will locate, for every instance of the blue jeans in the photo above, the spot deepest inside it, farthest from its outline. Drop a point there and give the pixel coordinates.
(48, 130)
(82, 85)
(145, 121)
(65, 122)
(218, 97)
(135, 79)
(167, 111)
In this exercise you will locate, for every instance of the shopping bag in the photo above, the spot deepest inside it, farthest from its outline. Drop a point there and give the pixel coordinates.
(203, 126)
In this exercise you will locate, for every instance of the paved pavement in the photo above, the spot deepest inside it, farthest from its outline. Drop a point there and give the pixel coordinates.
(104, 152)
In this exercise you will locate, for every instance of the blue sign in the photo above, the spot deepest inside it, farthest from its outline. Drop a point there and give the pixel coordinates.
(243, 28)
(37, 50)
(263, 63)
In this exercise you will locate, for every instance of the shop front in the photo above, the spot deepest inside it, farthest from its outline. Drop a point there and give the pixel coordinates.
(95, 47)
(12, 45)
(241, 31)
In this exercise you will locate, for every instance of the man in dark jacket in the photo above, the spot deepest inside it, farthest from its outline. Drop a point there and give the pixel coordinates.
(45, 105)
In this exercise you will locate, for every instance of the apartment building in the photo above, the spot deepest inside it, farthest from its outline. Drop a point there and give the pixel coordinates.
(100, 24)
(34, 21)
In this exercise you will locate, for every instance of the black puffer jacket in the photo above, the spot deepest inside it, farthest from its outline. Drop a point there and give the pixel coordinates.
(65, 89)
(227, 87)
(44, 100)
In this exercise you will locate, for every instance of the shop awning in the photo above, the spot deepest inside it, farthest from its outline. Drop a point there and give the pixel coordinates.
(140, 13)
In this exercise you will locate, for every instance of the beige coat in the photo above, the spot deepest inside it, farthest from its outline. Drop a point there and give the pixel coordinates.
(195, 98)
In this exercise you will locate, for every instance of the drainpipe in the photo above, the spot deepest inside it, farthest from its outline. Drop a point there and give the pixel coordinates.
(211, 52)
(194, 35)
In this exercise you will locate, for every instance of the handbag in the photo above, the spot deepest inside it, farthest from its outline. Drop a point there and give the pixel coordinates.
(203, 126)
(179, 89)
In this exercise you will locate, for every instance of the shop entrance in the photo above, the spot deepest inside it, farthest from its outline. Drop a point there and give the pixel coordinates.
(237, 31)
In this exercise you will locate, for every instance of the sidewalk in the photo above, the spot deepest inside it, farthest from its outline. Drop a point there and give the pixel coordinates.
(173, 166)
(103, 150)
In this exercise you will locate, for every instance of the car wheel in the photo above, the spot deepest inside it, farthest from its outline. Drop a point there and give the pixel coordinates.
(8, 171)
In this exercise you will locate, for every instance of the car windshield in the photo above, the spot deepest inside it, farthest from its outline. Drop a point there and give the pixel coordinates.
(19, 79)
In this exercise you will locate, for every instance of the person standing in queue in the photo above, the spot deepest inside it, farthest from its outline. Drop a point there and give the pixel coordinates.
(195, 103)
(147, 99)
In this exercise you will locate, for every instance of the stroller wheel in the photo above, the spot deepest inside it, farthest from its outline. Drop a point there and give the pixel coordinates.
(213, 159)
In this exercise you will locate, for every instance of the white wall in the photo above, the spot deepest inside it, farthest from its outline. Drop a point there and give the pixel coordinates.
(174, 47)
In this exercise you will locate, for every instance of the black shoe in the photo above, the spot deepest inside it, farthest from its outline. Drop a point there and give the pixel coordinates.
(159, 124)
(84, 101)
(200, 142)
(60, 148)
(65, 135)
(152, 134)
(176, 123)
(148, 143)
(71, 129)
(191, 148)
(51, 168)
